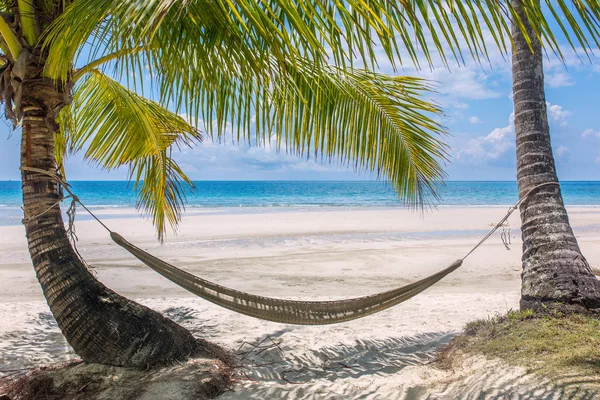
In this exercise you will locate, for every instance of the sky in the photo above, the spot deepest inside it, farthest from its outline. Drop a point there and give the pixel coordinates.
(477, 113)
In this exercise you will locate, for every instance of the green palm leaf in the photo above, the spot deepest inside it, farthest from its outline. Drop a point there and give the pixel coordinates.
(117, 127)
(338, 32)
(354, 116)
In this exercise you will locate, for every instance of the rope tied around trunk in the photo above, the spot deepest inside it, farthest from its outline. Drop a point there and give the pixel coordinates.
(281, 310)
(508, 214)
(66, 187)
(27, 218)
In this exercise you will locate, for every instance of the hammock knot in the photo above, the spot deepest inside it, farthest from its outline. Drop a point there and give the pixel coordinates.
(116, 237)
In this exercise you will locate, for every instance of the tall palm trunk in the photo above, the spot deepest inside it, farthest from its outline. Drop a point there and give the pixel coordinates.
(554, 270)
(100, 325)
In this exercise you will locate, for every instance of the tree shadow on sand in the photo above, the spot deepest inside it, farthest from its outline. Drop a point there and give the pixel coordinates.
(367, 369)
(279, 367)
(499, 381)
(41, 343)
(269, 359)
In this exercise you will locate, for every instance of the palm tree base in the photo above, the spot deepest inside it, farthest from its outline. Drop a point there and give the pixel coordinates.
(571, 305)
(198, 378)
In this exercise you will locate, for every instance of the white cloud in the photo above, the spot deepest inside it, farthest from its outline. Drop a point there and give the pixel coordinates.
(470, 83)
(562, 151)
(573, 60)
(454, 110)
(489, 147)
(475, 120)
(559, 79)
(557, 114)
(231, 160)
(590, 133)
(499, 141)
(457, 81)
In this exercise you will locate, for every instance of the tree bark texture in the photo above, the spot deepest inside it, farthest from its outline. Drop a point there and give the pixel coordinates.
(101, 326)
(554, 270)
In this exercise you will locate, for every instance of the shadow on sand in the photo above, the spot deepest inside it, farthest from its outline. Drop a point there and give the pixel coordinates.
(374, 369)
(271, 361)
(41, 343)
(286, 365)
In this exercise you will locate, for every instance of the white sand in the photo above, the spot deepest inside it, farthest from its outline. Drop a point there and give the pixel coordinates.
(304, 255)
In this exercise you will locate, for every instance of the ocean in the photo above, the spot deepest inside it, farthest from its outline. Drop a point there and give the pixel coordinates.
(265, 196)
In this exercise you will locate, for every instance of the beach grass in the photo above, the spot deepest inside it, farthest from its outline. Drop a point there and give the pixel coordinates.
(556, 345)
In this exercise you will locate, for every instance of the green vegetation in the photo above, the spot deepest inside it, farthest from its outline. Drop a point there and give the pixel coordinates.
(556, 345)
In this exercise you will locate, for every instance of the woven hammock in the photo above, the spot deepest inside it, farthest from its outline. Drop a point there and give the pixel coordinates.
(280, 310)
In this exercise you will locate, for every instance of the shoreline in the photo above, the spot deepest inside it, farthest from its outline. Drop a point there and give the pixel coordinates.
(129, 212)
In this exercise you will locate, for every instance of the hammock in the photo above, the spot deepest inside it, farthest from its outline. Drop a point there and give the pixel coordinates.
(280, 310)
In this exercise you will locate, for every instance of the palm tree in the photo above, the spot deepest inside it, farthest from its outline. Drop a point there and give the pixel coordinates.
(290, 66)
(554, 270)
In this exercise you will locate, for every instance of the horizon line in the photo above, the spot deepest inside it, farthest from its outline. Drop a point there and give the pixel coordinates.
(310, 180)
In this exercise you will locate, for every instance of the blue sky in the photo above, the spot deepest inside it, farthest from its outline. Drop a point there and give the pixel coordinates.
(478, 111)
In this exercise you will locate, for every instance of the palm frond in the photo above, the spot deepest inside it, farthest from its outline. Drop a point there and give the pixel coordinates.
(117, 127)
(28, 21)
(338, 32)
(160, 185)
(355, 117)
(7, 5)
(63, 138)
(11, 45)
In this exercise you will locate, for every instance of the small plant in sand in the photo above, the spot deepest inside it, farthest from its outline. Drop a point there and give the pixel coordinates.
(551, 343)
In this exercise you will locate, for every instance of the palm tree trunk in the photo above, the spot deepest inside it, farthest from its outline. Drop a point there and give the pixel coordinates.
(554, 270)
(100, 325)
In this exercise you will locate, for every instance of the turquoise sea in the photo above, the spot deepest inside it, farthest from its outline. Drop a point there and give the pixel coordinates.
(257, 196)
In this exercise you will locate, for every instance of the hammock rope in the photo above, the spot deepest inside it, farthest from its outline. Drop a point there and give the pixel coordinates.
(281, 310)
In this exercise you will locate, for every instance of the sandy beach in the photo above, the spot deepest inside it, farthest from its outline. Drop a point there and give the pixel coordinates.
(326, 254)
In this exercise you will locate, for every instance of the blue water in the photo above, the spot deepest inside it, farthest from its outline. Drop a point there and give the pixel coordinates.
(260, 194)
